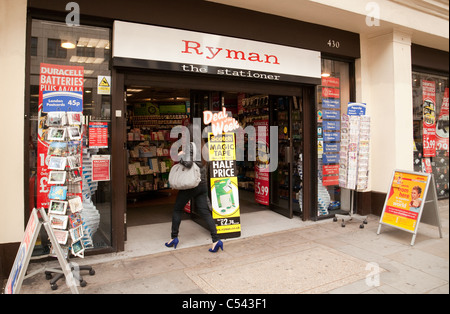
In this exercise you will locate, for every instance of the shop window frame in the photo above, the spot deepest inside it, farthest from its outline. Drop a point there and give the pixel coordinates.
(352, 98)
(116, 244)
(418, 123)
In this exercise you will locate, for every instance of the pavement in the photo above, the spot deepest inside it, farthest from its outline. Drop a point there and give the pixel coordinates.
(316, 258)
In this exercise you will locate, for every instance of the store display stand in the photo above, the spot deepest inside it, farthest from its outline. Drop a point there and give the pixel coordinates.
(351, 215)
(66, 158)
(60, 274)
(354, 158)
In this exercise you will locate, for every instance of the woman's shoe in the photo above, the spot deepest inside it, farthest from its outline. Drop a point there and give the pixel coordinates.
(219, 244)
(173, 243)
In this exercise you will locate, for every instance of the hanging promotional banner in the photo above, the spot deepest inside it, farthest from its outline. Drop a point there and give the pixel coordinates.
(224, 184)
(429, 118)
(262, 162)
(60, 80)
(442, 125)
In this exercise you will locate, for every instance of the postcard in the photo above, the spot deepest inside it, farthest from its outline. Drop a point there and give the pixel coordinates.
(75, 220)
(57, 149)
(58, 193)
(57, 134)
(74, 117)
(75, 204)
(76, 233)
(57, 207)
(74, 133)
(57, 177)
(57, 163)
(74, 148)
(78, 248)
(55, 119)
(75, 175)
(61, 236)
(58, 221)
(74, 162)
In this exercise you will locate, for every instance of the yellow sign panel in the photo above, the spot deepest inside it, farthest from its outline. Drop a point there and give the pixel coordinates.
(104, 85)
(225, 204)
(221, 147)
(405, 200)
(224, 183)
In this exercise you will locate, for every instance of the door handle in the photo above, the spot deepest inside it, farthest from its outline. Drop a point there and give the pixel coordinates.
(288, 154)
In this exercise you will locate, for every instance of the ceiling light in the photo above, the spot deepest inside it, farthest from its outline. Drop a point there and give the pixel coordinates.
(325, 74)
(67, 44)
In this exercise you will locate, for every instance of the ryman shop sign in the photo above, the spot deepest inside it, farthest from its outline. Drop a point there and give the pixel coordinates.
(160, 48)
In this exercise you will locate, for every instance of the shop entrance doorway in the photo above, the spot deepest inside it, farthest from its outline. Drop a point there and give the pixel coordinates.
(154, 104)
(287, 180)
(153, 111)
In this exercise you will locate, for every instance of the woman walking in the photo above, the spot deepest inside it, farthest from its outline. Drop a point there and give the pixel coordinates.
(200, 196)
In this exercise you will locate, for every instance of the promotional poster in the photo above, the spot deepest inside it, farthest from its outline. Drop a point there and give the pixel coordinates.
(406, 200)
(60, 88)
(224, 184)
(429, 118)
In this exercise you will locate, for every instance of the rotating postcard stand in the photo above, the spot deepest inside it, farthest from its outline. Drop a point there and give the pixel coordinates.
(354, 161)
(65, 197)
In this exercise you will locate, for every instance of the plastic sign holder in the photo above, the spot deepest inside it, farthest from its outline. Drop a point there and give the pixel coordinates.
(411, 199)
(38, 218)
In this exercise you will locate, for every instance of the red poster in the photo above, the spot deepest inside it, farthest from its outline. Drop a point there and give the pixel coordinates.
(330, 92)
(101, 168)
(429, 118)
(330, 81)
(98, 134)
(262, 162)
(330, 180)
(330, 175)
(52, 78)
(330, 169)
(442, 125)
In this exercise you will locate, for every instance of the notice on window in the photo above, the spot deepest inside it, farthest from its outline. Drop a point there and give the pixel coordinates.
(104, 85)
(98, 134)
(101, 167)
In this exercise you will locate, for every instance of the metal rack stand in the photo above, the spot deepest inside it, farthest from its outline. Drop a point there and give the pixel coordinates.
(74, 268)
(75, 271)
(351, 215)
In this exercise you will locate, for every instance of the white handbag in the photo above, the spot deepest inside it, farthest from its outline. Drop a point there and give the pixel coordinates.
(183, 178)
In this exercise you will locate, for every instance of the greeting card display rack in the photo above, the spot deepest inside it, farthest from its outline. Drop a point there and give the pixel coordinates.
(354, 161)
(64, 158)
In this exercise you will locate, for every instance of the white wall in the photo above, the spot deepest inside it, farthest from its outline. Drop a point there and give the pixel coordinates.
(384, 82)
(12, 90)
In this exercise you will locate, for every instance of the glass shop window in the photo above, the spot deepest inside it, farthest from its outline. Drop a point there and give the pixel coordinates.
(70, 62)
(431, 128)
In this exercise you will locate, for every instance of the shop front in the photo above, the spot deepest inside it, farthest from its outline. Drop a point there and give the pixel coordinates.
(136, 89)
